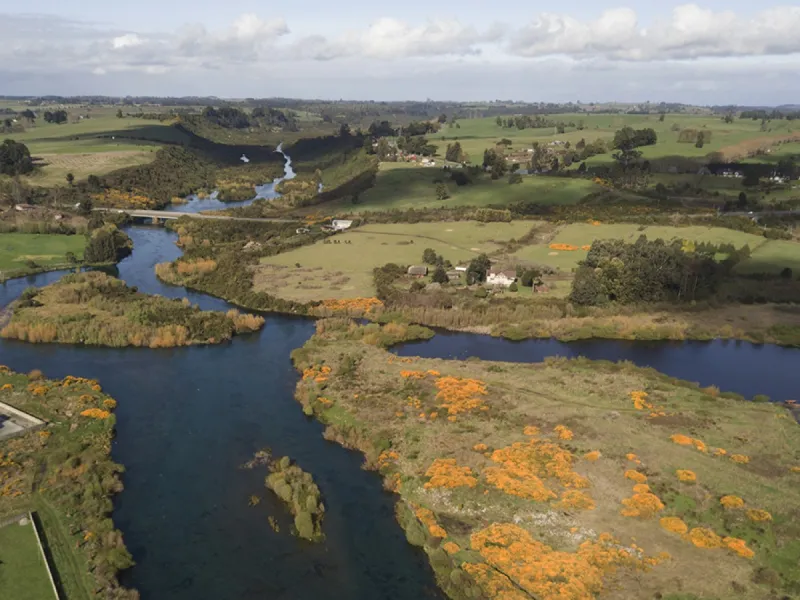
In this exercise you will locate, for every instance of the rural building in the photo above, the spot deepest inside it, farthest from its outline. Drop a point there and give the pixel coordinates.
(461, 269)
(500, 278)
(454, 275)
(341, 224)
(417, 270)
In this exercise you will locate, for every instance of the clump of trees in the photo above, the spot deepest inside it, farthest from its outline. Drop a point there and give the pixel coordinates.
(107, 244)
(296, 488)
(650, 271)
(56, 116)
(15, 158)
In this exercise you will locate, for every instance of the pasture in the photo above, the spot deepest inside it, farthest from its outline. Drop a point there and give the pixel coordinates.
(17, 249)
(93, 146)
(23, 572)
(475, 135)
(772, 257)
(583, 234)
(401, 186)
(344, 269)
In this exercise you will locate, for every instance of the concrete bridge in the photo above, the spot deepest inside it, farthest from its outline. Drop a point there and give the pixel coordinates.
(157, 215)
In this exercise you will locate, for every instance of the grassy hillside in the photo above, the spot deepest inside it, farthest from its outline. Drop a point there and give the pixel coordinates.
(17, 250)
(567, 479)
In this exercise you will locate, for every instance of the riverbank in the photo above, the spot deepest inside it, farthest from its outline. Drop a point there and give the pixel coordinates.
(93, 308)
(537, 460)
(65, 474)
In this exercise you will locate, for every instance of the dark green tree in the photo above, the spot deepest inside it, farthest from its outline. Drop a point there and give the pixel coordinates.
(439, 275)
(477, 269)
(15, 158)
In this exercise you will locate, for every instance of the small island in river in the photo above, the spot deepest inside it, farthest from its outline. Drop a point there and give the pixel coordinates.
(93, 308)
(567, 478)
(296, 488)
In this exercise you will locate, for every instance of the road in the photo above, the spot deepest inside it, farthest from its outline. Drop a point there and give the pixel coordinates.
(165, 214)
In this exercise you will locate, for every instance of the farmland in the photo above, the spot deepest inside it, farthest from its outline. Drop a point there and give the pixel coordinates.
(505, 471)
(401, 186)
(17, 250)
(475, 135)
(23, 573)
(344, 269)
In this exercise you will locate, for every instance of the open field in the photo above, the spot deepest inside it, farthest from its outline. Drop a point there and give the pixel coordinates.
(93, 146)
(401, 186)
(583, 234)
(772, 257)
(475, 135)
(23, 572)
(16, 249)
(533, 481)
(344, 269)
(729, 188)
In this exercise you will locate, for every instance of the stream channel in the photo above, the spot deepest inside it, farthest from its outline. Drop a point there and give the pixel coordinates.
(189, 417)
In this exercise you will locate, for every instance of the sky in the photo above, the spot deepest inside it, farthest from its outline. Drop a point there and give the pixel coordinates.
(717, 52)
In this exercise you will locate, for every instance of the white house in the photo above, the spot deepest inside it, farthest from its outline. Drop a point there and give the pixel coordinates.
(341, 224)
(501, 278)
(461, 269)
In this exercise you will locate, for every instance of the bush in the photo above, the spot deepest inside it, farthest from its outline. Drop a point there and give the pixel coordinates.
(513, 287)
(481, 292)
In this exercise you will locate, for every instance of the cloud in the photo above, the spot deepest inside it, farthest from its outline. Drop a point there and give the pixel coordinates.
(128, 40)
(691, 32)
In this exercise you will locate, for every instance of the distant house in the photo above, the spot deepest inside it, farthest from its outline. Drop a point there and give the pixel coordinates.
(461, 269)
(301, 230)
(454, 275)
(341, 224)
(418, 270)
(500, 278)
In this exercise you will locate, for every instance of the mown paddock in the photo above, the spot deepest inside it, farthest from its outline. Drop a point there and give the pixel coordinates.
(583, 234)
(475, 135)
(344, 269)
(400, 186)
(23, 571)
(16, 249)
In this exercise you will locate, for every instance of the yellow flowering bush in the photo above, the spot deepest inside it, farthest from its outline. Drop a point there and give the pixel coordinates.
(96, 413)
(740, 458)
(757, 515)
(673, 525)
(635, 476)
(738, 546)
(642, 505)
(451, 547)
(563, 432)
(686, 476)
(460, 395)
(592, 456)
(702, 537)
(731, 502)
(444, 472)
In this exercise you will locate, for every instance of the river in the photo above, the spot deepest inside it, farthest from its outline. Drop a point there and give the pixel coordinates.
(189, 417)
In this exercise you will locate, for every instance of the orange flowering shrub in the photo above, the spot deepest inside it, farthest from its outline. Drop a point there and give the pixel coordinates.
(428, 519)
(639, 401)
(685, 440)
(592, 456)
(460, 395)
(564, 247)
(702, 537)
(120, 199)
(387, 457)
(44, 434)
(444, 472)
(635, 476)
(641, 488)
(523, 466)
(317, 374)
(433, 373)
(740, 458)
(738, 546)
(352, 305)
(795, 469)
(451, 547)
(563, 432)
(110, 403)
(412, 374)
(720, 452)
(673, 524)
(644, 505)
(480, 447)
(531, 430)
(586, 247)
(731, 502)
(519, 567)
(576, 499)
(757, 515)
(7, 387)
(96, 413)
(686, 476)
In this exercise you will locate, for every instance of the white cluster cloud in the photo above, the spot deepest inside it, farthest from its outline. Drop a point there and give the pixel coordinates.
(691, 32)
(689, 39)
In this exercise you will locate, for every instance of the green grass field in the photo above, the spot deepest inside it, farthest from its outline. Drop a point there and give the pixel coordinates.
(344, 270)
(23, 572)
(16, 249)
(93, 146)
(475, 135)
(401, 186)
(772, 257)
(581, 234)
